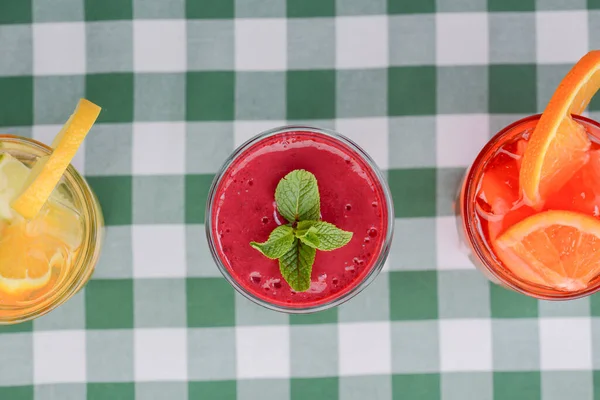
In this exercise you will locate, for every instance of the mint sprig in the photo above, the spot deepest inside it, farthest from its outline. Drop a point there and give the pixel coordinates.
(296, 243)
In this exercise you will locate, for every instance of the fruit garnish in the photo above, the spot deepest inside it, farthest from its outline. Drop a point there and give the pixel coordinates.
(13, 174)
(30, 249)
(48, 170)
(557, 249)
(559, 145)
(296, 243)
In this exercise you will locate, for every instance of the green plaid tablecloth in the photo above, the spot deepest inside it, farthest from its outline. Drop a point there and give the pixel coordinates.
(421, 84)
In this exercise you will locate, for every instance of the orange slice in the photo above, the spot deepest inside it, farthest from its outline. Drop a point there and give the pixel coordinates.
(558, 146)
(558, 249)
(48, 170)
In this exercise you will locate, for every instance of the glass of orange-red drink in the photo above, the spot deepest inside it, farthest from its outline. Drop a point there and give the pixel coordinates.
(528, 209)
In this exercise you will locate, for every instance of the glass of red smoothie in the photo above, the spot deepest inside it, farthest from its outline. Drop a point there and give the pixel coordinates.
(354, 196)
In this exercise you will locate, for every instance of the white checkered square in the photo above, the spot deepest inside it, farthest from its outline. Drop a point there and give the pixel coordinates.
(263, 352)
(460, 138)
(159, 148)
(365, 348)
(369, 133)
(362, 42)
(562, 37)
(59, 356)
(260, 44)
(465, 345)
(59, 48)
(159, 46)
(160, 355)
(462, 39)
(158, 251)
(46, 134)
(565, 343)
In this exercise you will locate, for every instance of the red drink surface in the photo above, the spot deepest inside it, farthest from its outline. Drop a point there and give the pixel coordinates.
(244, 210)
(499, 200)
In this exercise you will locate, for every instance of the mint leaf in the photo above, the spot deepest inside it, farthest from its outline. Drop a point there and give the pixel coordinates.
(308, 236)
(297, 196)
(326, 236)
(279, 242)
(296, 265)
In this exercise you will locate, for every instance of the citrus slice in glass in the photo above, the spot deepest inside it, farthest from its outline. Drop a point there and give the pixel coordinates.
(559, 145)
(48, 170)
(13, 174)
(558, 249)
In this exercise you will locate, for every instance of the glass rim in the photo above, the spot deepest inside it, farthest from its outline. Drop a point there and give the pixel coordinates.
(377, 264)
(89, 254)
(478, 244)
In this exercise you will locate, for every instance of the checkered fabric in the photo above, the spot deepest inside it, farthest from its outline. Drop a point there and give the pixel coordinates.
(420, 84)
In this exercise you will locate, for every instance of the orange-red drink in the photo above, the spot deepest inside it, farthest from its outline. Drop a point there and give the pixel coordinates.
(529, 207)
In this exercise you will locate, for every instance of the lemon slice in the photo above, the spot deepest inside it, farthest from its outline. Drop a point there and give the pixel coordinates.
(48, 170)
(559, 145)
(13, 174)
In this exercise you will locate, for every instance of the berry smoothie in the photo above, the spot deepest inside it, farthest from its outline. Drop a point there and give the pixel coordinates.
(353, 197)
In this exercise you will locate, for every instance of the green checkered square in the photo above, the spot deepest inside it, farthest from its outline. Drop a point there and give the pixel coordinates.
(196, 194)
(210, 302)
(511, 5)
(109, 304)
(310, 8)
(505, 303)
(209, 9)
(412, 90)
(406, 184)
(19, 110)
(116, 391)
(301, 100)
(414, 296)
(218, 390)
(15, 12)
(411, 7)
(210, 96)
(101, 10)
(17, 392)
(114, 194)
(423, 386)
(517, 386)
(518, 97)
(314, 388)
(114, 93)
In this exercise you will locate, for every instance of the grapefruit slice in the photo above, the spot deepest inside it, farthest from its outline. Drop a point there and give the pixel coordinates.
(559, 145)
(48, 170)
(558, 249)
